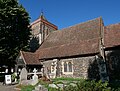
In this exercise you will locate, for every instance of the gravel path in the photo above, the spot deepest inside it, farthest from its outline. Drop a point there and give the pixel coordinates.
(7, 87)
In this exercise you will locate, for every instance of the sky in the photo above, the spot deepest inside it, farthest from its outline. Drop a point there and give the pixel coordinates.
(65, 13)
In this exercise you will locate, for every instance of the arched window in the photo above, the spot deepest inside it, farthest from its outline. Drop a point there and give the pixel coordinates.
(69, 67)
(65, 67)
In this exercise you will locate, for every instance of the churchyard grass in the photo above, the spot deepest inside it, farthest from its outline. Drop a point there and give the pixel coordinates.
(67, 79)
(76, 84)
(25, 88)
(46, 84)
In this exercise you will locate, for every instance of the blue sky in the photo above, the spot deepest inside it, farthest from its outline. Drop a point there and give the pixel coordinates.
(64, 13)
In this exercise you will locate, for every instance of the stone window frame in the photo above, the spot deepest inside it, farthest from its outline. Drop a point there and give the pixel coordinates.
(53, 66)
(67, 61)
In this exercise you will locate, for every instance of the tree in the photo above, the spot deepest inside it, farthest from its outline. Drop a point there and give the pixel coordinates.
(34, 44)
(14, 30)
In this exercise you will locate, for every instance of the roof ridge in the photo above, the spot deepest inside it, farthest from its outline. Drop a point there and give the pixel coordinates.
(112, 24)
(82, 22)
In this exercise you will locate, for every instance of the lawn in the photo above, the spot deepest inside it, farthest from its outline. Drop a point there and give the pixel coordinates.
(25, 88)
(80, 85)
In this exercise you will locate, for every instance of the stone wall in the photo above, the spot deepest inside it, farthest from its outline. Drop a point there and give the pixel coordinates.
(82, 67)
(113, 63)
(47, 66)
(87, 67)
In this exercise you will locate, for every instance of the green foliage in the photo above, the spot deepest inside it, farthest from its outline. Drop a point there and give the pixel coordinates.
(81, 85)
(71, 88)
(58, 82)
(77, 84)
(115, 86)
(44, 83)
(14, 29)
(88, 86)
(27, 88)
(67, 79)
(13, 76)
(53, 89)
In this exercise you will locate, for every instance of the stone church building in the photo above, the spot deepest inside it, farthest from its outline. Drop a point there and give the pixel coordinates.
(87, 50)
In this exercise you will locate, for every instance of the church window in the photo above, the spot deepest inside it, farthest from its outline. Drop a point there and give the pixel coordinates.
(67, 67)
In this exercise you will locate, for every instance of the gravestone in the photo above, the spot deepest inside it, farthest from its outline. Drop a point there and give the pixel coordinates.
(23, 74)
(34, 77)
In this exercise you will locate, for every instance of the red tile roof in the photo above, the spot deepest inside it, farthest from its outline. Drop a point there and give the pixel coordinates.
(81, 48)
(30, 58)
(76, 40)
(80, 39)
(112, 35)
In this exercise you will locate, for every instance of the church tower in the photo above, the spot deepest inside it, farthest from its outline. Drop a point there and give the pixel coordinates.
(41, 28)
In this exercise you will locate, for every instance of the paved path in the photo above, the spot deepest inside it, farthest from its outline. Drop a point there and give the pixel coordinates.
(7, 87)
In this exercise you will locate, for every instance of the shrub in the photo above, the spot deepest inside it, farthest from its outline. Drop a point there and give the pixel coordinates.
(13, 76)
(52, 89)
(115, 85)
(88, 86)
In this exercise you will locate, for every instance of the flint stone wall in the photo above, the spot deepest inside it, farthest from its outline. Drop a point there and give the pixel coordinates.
(83, 67)
(113, 63)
